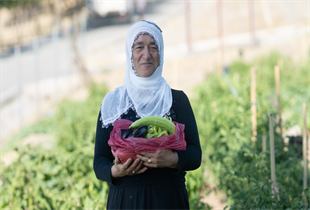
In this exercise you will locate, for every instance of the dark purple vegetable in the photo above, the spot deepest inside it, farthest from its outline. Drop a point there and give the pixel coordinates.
(126, 133)
(140, 131)
(134, 132)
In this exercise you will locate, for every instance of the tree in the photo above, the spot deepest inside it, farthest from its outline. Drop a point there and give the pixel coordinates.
(22, 11)
(59, 9)
(14, 3)
(73, 9)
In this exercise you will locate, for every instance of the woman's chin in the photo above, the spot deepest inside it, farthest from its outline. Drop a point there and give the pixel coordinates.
(145, 73)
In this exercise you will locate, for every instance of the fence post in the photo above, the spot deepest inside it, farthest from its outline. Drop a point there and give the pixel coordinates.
(264, 143)
(252, 22)
(304, 145)
(56, 60)
(277, 79)
(253, 104)
(17, 55)
(35, 47)
(188, 25)
(220, 36)
(274, 186)
(267, 14)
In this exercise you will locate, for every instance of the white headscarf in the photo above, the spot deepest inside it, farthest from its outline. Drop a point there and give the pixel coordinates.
(150, 96)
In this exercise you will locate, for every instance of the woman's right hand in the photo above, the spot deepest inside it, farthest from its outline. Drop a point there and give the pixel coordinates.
(129, 168)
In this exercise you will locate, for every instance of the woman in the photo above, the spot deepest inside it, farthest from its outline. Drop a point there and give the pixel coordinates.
(154, 180)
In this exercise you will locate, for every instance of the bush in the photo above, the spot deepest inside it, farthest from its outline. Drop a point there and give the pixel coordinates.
(61, 177)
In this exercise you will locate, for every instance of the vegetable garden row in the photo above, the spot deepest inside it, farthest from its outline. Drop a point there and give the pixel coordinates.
(242, 168)
(61, 177)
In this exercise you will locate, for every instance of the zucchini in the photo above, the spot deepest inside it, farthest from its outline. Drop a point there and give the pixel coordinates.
(162, 122)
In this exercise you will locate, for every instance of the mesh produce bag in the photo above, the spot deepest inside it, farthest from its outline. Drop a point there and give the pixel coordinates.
(129, 147)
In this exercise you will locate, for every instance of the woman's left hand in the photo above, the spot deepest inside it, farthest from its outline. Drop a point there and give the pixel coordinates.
(160, 159)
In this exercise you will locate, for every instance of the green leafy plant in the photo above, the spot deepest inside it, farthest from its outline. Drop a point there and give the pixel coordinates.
(223, 113)
(60, 177)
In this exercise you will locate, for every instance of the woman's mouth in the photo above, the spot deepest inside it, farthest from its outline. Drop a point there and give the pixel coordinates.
(147, 64)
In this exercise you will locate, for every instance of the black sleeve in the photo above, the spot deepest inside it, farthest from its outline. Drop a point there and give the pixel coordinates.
(103, 157)
(190, 158)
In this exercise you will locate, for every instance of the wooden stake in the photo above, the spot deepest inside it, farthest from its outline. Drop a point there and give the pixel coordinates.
(220, 37)
(264, 143)
(272, 158)
(252, 22)
(277, 79)
(188, 25)
(253, 104)
(304, 146)
(308, 134)
(267, 14)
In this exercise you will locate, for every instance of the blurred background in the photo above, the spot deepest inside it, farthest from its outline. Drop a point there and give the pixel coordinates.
(51, 50)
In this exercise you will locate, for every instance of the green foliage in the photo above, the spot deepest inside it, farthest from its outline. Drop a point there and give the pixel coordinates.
(60, 177)
(241, 169)
(195, 185)
(20, 3)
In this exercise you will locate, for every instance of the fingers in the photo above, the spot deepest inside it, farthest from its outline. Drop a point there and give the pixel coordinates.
(136, 165)
(131, 167)
(117, 160)
(127, 163)
(142, 170)
(159, 159)
(142, 158)
(144, 153)
(139, 168)
(148, 161)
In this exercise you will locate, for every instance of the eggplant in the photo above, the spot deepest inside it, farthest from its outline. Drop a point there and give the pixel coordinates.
(140, 131)
(126, 133)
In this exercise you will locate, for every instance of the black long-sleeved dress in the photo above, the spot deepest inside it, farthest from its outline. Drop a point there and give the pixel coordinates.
(157, 188)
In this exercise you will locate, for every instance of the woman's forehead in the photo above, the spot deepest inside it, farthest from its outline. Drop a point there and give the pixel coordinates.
(144, 35)
(144, 38)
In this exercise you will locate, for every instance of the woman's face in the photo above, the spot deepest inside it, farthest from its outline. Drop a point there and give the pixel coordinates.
(145, 55)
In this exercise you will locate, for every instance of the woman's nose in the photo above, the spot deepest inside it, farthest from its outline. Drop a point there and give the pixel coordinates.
(146, 53)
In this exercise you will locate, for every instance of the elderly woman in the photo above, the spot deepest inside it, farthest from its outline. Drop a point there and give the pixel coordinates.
(154, 180)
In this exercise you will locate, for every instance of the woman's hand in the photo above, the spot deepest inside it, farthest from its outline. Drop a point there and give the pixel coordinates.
(165, 158)
(129, 168)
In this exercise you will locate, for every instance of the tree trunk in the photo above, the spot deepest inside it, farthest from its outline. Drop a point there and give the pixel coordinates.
(78, 60)
(72, 9)
(17, 14)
